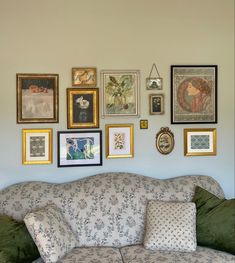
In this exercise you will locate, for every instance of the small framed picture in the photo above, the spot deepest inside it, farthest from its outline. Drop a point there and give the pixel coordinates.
(165, 141)
(82, 108)
(37, 146)
(84, 77)
(37, 98)
(120, 93)
(193, 94)
(119, 140)
(143, 124)
(200, 142)
(83, 148)
(154, 83)
(156, 104)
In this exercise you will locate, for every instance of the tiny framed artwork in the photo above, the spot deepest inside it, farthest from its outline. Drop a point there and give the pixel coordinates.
(37, 98)
(165, 141)
(120, 92)
(193, 94)
(84, 77)
(82, 108)
(83, 148)
(154, 83)
(156, 104)
(200, 142)
(36, 146)
(119, 140)
(143, 124)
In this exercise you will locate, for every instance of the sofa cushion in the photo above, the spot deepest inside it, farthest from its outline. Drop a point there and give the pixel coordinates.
(138, 254)
(215, 221)
(93, 255)
(171, 226)
(50, 232)
(16, 244)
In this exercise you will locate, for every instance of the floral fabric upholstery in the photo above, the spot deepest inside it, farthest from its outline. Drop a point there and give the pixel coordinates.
(106, 209)
(50, 232)
(93, 255)
(138, 254)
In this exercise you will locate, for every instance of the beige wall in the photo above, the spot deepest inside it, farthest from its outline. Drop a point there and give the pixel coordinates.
(52, 36)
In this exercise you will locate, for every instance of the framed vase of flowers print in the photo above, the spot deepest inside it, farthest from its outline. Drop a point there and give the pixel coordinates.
(193, 94)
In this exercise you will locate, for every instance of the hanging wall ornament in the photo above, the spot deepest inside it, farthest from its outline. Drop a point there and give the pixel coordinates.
(154, 82)
(165, 140)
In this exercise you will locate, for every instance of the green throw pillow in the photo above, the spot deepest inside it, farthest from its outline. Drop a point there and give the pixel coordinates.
(16, 244)
(215, 221)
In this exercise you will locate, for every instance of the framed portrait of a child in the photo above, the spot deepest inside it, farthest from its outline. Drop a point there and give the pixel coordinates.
(193, 94)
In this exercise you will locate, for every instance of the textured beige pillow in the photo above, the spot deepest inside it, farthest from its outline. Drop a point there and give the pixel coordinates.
(50, 232)
(171, 226)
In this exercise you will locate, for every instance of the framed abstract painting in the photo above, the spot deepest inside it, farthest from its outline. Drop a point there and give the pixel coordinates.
(193, 94)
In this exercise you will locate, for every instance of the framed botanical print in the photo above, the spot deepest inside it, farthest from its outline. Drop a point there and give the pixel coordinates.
(82, 108)
(120, 92)
(37, 98)
(119, 140)
(200, 142)
(79, 148)
(156, 104)
(37, 146)
(193, 94)
(165, 140)
(84, 77)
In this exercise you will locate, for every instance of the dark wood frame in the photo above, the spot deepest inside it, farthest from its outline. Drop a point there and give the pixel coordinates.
(33, 77)
(214, 77)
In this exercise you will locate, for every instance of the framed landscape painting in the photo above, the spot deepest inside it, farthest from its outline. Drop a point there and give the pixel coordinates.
(37, 98)
(193, 94)
(120, 92)
(82, 108)
(79, 148)
(37, 146)
(200, 142)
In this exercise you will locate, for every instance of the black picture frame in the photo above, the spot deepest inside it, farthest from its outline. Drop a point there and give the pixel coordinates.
(193, 94)
(79, 148)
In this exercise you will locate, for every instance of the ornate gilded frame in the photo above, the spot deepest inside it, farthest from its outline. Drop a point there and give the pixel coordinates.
(165, 140)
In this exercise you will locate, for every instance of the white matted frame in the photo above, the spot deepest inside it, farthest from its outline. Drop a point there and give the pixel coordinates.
(36, 146)
(119, 141)
(200, 142)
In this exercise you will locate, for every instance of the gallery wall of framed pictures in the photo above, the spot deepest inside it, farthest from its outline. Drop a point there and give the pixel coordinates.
(193, 101)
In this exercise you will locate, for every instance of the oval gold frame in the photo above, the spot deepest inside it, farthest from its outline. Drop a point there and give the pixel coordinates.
(163, 146)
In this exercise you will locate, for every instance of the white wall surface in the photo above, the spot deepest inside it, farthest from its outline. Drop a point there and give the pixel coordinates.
(52, 36)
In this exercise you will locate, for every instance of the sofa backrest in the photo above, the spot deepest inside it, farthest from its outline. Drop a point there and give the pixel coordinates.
(106, 209)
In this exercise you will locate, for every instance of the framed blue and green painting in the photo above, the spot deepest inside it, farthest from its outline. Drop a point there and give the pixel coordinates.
(79, 148)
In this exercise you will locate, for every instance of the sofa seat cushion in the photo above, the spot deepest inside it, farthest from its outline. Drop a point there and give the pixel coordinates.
(93, 255)
(138, 254)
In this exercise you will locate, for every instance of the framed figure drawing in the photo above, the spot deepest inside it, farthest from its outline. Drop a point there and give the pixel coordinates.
(193, 94)
(84, 77)
(79, 148)
(82, 108)
(37, 98)
(156, 104)
(120, 92)
(37, 146)
(200, 142)
(119, 140)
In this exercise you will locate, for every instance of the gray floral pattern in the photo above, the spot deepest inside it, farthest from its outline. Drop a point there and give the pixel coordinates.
(171, 226)
(50, 232)
(138, 254)
(106, 209)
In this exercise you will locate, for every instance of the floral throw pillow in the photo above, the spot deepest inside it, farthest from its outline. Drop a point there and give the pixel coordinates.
(171, 226)
(50, 232)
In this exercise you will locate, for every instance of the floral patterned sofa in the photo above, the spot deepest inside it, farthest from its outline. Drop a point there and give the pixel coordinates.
(107, 214)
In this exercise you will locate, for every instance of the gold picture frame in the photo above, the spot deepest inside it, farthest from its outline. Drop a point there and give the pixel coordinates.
(119, 140)
(82, 108)
(156, 104)
(36, 146)
(200, 142)
(84, 77)
(165, 141)
(37, 98)
(143, 124)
